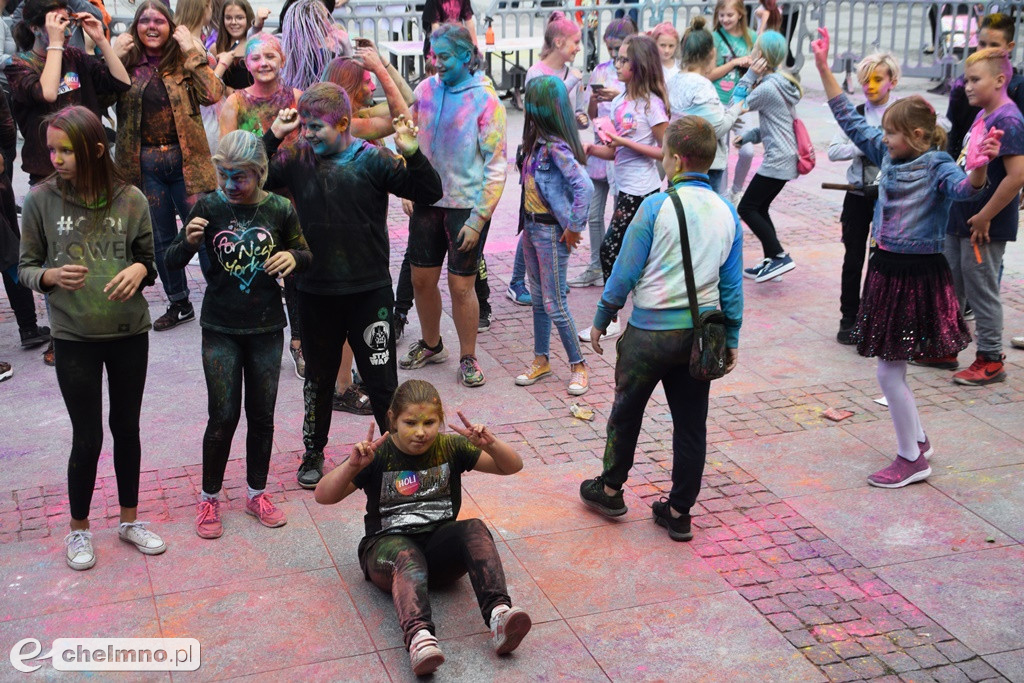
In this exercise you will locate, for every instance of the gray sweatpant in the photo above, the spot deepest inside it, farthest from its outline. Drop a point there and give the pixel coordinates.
(978, 283)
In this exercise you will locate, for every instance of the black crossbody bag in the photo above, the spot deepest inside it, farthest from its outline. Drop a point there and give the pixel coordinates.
(708, 354)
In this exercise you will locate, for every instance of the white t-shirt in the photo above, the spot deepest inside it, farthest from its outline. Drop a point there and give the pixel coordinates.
(669, 71)
(636, 173)
(693, 94)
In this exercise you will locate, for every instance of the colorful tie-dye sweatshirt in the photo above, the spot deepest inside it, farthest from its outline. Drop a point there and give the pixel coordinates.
(462, 133)
(650, 264)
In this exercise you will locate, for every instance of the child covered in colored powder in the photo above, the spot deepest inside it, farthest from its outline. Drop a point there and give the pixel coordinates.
(878, 74)
(909, 307)
(254, 238)
(87, 242)
(340, 186)
(412, 479)
(556, 201)
(254, 108)
(656, 344)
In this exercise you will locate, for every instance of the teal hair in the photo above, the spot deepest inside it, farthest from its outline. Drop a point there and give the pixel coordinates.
(550, 115)
(461, 41)
(773, 48)
(260, 39)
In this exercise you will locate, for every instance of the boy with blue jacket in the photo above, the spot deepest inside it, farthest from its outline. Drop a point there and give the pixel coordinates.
(656, 344)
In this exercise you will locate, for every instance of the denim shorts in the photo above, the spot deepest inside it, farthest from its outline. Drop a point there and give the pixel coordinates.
(434, 234)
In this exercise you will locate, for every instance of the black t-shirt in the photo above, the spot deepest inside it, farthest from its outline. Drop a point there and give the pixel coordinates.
(160, 128)
(240, 297)
(441, 12)
(237, 76)
(413, 494)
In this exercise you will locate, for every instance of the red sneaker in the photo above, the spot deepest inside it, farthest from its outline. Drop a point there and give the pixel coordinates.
(262, 509)
(943, 363)
(208, 519)
(900, 473)
(982, 371)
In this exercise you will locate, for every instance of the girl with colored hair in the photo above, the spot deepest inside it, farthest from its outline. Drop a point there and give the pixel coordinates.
(87, 242)
(604, 86)
(909, 308)
(236, 23)
(667, 39)
(311, 40)
(256, 239)
(255, 107)
(640, 116)
(169, 156)
(556, 200)
(355, 75)
(48, 75)
(412, 477)
(773, 95)
(691, 93)
(734, 42)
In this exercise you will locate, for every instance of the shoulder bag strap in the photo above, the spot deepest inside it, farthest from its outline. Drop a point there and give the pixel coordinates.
(725, 39)
(684, 243)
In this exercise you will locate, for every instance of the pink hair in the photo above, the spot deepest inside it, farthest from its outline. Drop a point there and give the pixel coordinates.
(559, 26)
(665, 28)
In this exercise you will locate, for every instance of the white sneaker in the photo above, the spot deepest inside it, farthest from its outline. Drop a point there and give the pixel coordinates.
(508, 628)
(142, 538)
(588, 278)
(614, 330)
(735, 197)
(424, 654)
(80, 553)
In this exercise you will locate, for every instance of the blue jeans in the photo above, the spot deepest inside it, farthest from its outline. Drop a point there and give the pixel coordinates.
(519, 265)
(163, 183)
(547, 261)
(595, 221)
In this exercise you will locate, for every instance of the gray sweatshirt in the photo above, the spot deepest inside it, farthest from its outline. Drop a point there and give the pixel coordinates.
(772, 99)
(57, 230)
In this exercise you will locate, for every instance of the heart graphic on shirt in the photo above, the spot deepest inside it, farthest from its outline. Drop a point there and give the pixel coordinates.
(243, 254)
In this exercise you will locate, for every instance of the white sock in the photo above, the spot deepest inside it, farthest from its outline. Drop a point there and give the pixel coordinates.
(209, 497)
(254, 492)
(498, 610)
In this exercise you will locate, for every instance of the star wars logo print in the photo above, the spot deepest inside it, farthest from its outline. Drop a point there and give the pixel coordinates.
(376, 335)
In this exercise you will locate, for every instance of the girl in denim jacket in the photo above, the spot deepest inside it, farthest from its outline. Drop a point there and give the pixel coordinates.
(556, 203)
(909, 308)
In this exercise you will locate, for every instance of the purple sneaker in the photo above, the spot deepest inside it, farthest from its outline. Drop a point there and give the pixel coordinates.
(926, 447)
(900, 473)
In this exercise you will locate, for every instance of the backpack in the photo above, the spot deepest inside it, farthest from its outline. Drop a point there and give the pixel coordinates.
(804, 147)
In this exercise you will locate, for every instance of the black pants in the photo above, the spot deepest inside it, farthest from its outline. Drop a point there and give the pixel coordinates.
(80, 378)
(404, 566)
(291, 303)
(404, 293)
(856, 220)
(753, 209)
(626, 206)
(365, 320)
(644, 358)
(22, 303)
(231, 361)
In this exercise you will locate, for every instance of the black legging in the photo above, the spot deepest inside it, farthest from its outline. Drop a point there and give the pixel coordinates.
(753, 209)
(80, 378)
(229, 361)
(626, 206)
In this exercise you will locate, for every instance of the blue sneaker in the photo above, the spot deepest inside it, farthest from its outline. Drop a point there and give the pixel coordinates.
(754, 271)
(775, 267)
(517, 292)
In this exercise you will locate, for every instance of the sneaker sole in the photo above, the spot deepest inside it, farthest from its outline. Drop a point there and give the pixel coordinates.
(1017, 344)
(6, 375)
(916, 477)
(80, 566)
(269, 526)
(142, 549)
(519, 624)
(174, 324)
(523, 381)
(775, 273)
(604, 510)
(436, 358)
(429, 664)
(1001, 377)
(674, 535)
(472, 385)
(579, 391)
(581, 285)
(927, 455)
(34, 343)
(309, 487)
(210, 534)
(603, 338)
(516, 301)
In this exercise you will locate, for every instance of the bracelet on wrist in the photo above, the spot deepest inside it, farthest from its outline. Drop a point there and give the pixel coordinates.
(55, 47)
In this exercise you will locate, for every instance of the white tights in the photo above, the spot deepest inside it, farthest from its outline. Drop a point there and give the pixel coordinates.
(892, 378)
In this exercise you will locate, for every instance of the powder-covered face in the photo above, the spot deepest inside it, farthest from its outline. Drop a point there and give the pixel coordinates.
(62, 154)
(416, 428)
(982, 86)
(452, 66)
(235, 22)
(613, 45)
(324, 138)
(364, 98)
(568, 47)
(667, 46)
(878, 85)
(264, 62)
(240, 185)
(154, 31)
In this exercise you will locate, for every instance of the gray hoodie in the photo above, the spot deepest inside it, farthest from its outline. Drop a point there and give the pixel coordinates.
(773, 100)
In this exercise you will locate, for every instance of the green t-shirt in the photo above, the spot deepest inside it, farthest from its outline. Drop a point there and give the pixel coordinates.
(727, 48)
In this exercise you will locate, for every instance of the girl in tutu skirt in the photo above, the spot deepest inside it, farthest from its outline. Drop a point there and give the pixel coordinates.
(909, 308)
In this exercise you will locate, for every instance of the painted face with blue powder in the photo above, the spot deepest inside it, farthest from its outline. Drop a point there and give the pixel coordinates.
(452, 64)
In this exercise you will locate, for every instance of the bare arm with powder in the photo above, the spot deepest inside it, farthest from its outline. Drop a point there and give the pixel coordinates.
(379, 127)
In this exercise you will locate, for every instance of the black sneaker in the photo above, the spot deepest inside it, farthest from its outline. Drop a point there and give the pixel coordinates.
(678, 527)
(592, 494)
(34, 336)
(845, 334)
(485, 322)
(353, 400)
(399, 323)
(177, 313)
(311, 471)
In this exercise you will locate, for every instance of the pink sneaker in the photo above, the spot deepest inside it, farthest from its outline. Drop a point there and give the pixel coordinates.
(900, 473)
(925, 447)
(208, 519)
(262, 509)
